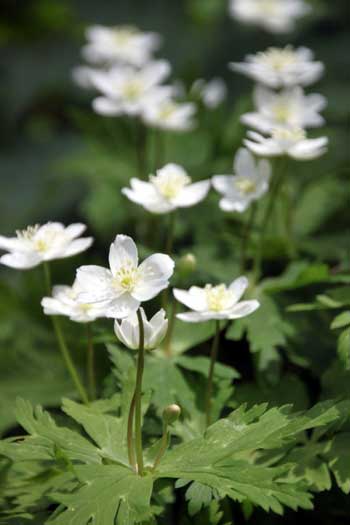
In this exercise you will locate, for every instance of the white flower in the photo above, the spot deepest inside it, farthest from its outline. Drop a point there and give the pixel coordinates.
(125, 89)
(43, 243)
(121, 289)
(212, 93)
(281, 67)
(82, 76)
(128, 331)
(169, 189)
(277, 16)
(215, 302)
(64, 301)
(120, 44)
(292, 142)
(288, 108)
(161, 111)
(250, 182)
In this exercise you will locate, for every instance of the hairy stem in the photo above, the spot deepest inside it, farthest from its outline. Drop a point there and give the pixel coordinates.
(245, 238)
(130, 438)
(266, 219)
(138, 395)
(213, 358)
(63, 346)
(163, 446)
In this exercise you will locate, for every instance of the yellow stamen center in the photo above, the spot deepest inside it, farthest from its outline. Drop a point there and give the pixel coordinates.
(219, 298)
(246, 185)
(170, 184)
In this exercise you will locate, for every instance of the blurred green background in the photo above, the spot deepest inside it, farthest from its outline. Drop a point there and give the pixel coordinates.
(60, 161)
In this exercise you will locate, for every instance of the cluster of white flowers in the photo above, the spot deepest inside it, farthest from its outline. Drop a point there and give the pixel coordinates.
(130, 80)
(282, 110)
(276, 16)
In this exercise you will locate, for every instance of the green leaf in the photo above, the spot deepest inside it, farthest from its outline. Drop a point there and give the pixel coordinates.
(198, 496)
(221, 459)
(341, 320)
(110, 495)
(339, 460)
(344, 348)
(186, 336)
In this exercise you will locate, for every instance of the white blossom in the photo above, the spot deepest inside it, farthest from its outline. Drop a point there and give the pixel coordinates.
(128, 331)
(64, 301)
(123, 44)
(121, 288)
(161, 110)
(281, 67)
(82, 76)
(169, 189)
(287, 108)
(249, 182)
(43, 243)
(276, 16)
(292, 142)
(212, 93)
(125, 90)
(215, 302)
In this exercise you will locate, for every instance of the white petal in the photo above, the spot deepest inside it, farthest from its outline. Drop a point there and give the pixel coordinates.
(309, 149)
(54, 307)
(223, 183)
(75, 247)
(239, 205)
(194, 298)
(238, 287)
(192, 194)
(123, 252)
(155, 273)
(9, 243)
(244, 163)
(106, 106)
(193, 317)
(95, 283)
(243, 309)
(75, 230)
(21, 261)
(122, 307)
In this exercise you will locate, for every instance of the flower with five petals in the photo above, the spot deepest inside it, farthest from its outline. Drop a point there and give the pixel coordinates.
(128, 330)
(126, 284)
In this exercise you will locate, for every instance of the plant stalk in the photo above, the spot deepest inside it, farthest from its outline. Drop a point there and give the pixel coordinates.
(163, 446)
(63, 346)
(213, 358)
(90, 363)
(138, 395)
(246, 234)
(130, 437)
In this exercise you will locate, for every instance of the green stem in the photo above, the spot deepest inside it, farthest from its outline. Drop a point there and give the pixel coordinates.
(130, 439)
(168, 250)
(62, 345)
(268, 213)
(141, 149)
(213, 358)
(90, 363)
(171, 325)
(163, 446)
(138, 394)
(246, 234)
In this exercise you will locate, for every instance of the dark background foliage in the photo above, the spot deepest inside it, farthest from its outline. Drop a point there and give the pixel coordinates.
(59, 161)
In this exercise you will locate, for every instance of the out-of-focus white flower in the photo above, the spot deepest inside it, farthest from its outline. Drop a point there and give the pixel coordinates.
(119, 44)
(277, 16)
(125, 285)
(169, 189)
(125, 90)
(43, 243)
(82, 76)
(215, 302)
(288, 108)
(212, 93)
(250, 182)
(64, 301)
(281, 67)
(283, 141)
(161, 111)
(128, 330)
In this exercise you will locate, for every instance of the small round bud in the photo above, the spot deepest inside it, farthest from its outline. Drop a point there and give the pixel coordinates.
(187, 264)
(171, 414)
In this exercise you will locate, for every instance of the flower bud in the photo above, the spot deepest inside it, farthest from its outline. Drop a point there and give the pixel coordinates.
(187, 264)
(171, 414)
(128, 331)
